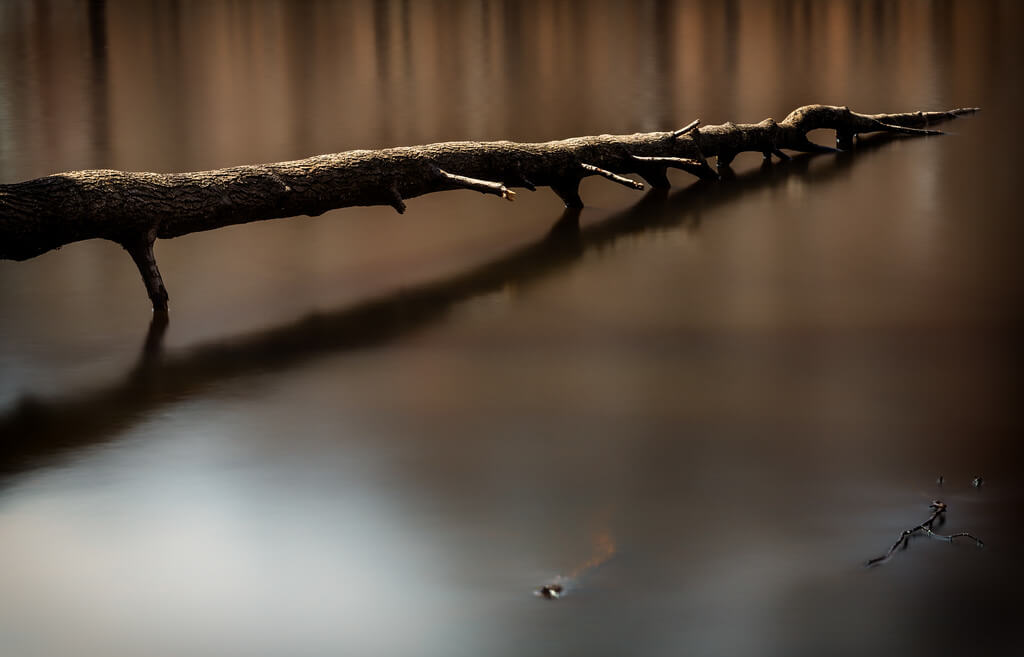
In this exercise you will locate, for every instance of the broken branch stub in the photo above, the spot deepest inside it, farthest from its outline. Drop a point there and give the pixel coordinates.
(134, 209)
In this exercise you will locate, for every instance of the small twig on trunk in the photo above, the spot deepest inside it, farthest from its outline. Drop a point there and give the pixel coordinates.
(938, 508)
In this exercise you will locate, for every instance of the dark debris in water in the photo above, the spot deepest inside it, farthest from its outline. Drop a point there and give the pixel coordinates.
(938, 508)
(549, 591)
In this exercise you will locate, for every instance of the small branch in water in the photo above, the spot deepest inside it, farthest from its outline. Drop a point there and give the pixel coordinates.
(136, 208)
(141, 251)
(938, 508)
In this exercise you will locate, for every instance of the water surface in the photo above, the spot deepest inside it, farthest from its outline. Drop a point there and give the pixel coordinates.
(366, 433)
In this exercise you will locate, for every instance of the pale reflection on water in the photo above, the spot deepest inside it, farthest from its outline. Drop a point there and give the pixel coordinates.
(372, 433)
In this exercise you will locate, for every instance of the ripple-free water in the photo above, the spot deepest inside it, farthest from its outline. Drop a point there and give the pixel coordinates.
(368, 433)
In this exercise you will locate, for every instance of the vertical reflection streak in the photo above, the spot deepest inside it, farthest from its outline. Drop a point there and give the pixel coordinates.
(98, 87)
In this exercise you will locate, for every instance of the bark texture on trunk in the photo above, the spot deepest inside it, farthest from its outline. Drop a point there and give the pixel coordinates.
(134, 209)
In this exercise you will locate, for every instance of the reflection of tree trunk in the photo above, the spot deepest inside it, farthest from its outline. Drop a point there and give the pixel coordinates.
(134, 209)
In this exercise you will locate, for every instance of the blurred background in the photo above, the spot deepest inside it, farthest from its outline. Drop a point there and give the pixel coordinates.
(372, 433)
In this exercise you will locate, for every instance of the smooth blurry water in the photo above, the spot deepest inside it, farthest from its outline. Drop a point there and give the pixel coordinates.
(366, 433)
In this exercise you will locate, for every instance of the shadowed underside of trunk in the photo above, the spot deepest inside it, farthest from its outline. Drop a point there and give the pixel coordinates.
(135, 209)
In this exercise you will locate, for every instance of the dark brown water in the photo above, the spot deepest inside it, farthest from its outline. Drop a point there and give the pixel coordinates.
(376, 434)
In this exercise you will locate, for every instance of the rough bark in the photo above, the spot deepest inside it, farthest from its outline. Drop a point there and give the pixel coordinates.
(134, 209)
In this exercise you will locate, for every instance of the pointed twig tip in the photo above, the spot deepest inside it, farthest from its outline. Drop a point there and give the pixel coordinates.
(614, 177)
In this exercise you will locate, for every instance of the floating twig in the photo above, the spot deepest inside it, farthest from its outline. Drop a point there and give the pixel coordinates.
(938, 508)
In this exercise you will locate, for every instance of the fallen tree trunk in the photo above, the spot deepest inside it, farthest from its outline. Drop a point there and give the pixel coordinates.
(134, 209)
